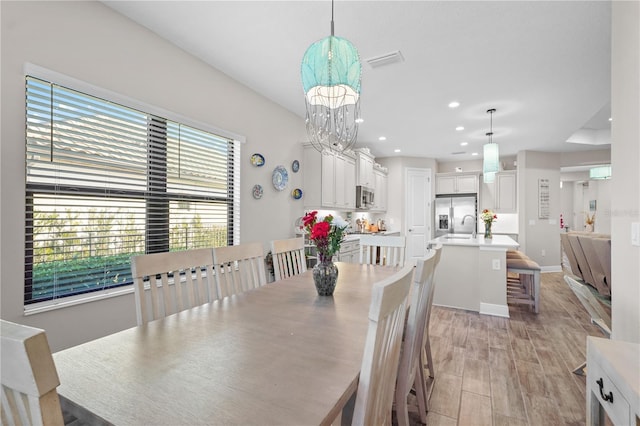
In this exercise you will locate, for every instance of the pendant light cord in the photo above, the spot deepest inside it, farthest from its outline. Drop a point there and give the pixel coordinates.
(332, 17)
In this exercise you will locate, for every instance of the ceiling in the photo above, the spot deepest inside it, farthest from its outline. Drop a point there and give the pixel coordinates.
(544, 66)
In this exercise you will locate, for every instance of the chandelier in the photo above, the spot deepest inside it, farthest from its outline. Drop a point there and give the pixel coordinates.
(331, 73)
(491, 157)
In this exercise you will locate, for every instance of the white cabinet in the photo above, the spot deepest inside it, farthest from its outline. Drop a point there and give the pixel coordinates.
(349, 252)
(454, 183)
(329, 180)
(380, 190)
(501, 194)
(364, 169)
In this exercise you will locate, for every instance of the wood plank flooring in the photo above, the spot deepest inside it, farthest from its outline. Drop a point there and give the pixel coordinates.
(515, 371)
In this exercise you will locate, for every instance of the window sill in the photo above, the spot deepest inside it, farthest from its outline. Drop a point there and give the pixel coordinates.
(50, 305)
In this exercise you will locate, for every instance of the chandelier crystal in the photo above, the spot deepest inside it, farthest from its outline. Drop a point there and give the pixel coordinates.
(331, 74)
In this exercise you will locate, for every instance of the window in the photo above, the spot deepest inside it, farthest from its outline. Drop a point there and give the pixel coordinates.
(105, 182)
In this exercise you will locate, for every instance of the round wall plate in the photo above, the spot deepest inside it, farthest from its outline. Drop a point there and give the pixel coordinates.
(257, 160)
(280, 178)
(257, 191)
(295, 166)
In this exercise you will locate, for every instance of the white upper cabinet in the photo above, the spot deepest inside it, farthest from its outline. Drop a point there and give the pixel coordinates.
(456, 183)
(364, 169)
(501, 194)
(329, 180)
(380, 190)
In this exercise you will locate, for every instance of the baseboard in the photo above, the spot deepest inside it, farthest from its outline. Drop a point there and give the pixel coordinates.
(552, 268)
(495, 310)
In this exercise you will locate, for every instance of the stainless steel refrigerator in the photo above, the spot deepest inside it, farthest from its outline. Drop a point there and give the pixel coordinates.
(455, 214)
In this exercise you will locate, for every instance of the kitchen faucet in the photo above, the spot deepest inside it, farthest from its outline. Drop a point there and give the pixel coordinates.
(473, 234)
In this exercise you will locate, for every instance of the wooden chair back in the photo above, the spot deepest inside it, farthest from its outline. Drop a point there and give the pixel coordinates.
(288, 257)
(238, 268)
(382, 250)
(166, 283)
(410, 371)
(379, 370)
(598, 315)
(29, 377)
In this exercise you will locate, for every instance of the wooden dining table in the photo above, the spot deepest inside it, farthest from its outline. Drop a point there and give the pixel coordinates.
(276, 355)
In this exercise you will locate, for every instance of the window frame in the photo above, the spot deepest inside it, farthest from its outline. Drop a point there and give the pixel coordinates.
(31, 189)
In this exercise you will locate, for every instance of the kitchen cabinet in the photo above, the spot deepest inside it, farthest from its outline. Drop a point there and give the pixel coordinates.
(501, 194)
(380, 190)
(329, 180)
(364, 168)
(457, 183)
(349, 252)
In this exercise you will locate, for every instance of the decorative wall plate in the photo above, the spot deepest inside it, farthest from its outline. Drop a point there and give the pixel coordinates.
(257, 192)
(295, 166)
(280, 178)
(296, 193)
(257, 160)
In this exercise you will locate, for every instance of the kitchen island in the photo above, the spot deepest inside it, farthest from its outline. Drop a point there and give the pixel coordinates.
(472, 273)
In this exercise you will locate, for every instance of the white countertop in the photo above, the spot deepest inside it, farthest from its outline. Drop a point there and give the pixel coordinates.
(498, 241)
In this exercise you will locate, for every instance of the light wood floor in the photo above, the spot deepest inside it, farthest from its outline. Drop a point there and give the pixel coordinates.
(515, 371)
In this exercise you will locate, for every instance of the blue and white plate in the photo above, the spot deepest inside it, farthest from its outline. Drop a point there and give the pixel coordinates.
(280, 178)
(295, 166)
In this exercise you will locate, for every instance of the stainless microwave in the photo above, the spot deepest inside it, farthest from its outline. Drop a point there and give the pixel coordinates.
(364, 197)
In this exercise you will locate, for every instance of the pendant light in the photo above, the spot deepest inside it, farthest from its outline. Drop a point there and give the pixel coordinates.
(331, 73)
(491, 160)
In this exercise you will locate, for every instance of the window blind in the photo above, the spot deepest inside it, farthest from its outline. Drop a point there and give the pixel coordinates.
(105, 182)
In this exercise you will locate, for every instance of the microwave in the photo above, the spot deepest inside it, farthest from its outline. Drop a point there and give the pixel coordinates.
(364, 197)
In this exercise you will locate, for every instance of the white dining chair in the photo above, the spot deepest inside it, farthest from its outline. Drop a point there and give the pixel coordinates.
(379, 370)
(238, 268)
(427, 357)
(410, 371)
(288, 257)
(382, 250)
(599, 316)
(29, 377)
(170, 282)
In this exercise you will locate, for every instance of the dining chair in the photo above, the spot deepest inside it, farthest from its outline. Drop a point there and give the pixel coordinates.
(382, 250)
(238, 268)
(29, 377)
(170, 282)
(410, 369)
(288, 257)
(427, 358)
(599, 316)
(379, 368)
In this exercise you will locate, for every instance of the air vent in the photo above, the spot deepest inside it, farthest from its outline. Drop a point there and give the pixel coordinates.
(386, 59)
(458, 152)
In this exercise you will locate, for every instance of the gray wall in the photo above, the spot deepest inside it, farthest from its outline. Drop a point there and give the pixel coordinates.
(539, 238)
(90, 42)
(625, 180)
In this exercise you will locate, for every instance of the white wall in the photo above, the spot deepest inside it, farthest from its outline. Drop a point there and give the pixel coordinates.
(92, 43)
(566, 204)
(625, 180)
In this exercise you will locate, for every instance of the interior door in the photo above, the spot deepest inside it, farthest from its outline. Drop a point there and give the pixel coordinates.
(418, 212)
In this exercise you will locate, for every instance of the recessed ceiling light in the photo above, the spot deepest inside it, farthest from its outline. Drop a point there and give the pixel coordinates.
(396, 150)
(460, 128)
(454, 104)
(382, 138)
(610, 119)
(359, 120)
(464, 143)
(474, 153)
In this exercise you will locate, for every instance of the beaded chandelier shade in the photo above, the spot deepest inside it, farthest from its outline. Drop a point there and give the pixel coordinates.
(331, 74)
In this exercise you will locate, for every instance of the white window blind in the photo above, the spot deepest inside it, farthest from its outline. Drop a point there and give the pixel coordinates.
(105, 182)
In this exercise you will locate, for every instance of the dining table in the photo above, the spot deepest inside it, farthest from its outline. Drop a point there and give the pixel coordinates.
(276, 355)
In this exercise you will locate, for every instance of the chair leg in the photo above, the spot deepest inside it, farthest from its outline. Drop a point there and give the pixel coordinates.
(429, 365)
(536, 291)
(402, 410)
(420, 386)
(580, 370)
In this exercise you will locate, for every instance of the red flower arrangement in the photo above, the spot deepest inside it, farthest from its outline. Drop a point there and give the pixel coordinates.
(326, 235)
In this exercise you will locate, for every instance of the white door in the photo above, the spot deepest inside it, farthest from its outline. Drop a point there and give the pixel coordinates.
(418, 212)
